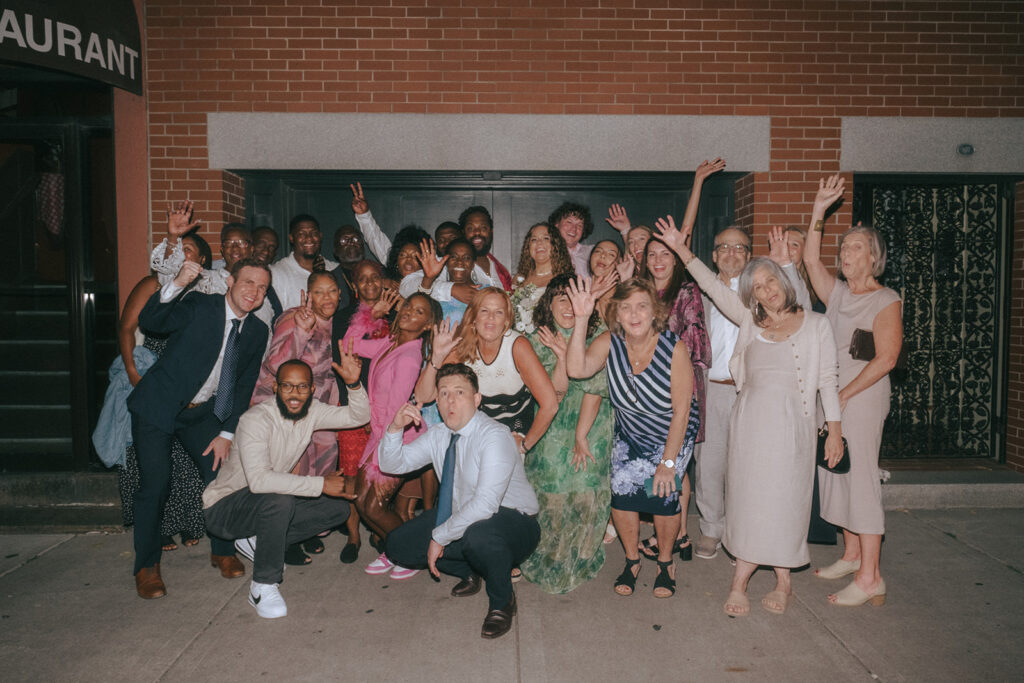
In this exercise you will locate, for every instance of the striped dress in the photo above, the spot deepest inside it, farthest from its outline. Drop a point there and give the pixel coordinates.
(643, 413)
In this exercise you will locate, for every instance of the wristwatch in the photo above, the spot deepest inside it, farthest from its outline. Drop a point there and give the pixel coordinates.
(669, 463)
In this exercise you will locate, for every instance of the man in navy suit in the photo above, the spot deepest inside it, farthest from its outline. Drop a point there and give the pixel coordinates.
(196, 392)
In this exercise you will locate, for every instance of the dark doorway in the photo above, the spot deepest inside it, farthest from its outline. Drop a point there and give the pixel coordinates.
(949, 244)
(516, 200)
(58, 272)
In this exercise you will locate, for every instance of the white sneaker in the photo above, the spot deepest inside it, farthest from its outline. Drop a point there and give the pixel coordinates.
(400, 573)
(246, 547)
(382, 565)
(267, 600)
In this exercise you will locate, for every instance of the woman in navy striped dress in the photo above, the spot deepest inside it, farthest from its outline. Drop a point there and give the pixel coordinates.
(650, 383)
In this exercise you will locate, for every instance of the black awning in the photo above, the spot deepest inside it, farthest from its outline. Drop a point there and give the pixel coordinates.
(97, 40)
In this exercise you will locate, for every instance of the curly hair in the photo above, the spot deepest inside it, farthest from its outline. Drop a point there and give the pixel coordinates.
(623, 292)
(476, 208)
(573, 209)
(561, 263)
(542, 315)
(436, 315)
(410, 234)
(466, 350)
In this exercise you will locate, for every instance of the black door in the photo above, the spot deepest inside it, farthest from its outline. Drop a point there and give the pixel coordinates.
(57, 289)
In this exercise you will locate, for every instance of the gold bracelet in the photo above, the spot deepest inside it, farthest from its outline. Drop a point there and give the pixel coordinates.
(819, 225)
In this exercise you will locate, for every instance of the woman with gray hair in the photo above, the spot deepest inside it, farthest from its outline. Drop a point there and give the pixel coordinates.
(784, 357)
(869, 335)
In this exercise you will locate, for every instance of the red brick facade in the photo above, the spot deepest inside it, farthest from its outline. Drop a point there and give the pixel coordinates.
(805, 64)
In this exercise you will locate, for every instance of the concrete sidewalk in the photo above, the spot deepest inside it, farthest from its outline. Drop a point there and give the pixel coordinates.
(68, 611)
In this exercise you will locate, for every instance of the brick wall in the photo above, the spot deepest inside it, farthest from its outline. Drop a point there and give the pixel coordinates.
(1015, 397)
(804, 64)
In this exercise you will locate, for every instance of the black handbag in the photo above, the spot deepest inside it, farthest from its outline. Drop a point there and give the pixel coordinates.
(843, 466)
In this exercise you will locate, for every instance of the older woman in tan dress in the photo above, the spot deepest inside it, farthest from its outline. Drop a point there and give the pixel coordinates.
(784, 357)
(856, 301)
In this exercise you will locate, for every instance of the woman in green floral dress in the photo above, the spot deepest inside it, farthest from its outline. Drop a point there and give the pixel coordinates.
(569, 466)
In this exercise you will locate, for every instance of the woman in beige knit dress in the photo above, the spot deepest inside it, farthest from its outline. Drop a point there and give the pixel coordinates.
(784, 356)
(856, 301)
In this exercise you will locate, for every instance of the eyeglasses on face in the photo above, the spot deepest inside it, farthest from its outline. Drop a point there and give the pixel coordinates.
(288, 387)
(236, 243)
(735, 248)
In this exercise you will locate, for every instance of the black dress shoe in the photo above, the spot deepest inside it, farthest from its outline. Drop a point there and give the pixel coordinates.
(468, 586)
(498, 622)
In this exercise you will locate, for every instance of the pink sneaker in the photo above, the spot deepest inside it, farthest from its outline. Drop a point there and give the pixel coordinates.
(399, 573)
(382, 565)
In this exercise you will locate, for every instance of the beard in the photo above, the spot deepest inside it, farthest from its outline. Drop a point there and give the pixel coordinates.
(288, 415)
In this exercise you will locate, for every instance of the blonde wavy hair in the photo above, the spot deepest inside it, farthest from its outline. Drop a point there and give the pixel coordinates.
(466, 351)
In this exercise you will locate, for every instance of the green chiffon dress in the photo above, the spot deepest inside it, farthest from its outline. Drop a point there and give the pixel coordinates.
(574, 506)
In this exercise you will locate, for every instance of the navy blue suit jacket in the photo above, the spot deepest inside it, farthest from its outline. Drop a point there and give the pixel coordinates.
(195, 324)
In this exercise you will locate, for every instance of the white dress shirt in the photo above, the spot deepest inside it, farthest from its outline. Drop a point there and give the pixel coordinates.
(376, 240)
(723, 335)
(488, 470)
(290, 280)
(441, 290)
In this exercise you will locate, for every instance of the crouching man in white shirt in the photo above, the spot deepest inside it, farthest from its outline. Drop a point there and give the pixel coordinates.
(485, 521)
(255, 497)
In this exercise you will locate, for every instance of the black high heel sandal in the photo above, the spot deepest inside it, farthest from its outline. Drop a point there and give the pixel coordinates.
(627, 579)
(664, 582)
(685, 549)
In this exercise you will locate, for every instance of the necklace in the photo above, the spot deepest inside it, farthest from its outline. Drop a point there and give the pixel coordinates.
(537, 273)
(641, 352)
(768, 332)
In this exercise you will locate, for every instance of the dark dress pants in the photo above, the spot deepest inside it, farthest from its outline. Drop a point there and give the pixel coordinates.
(489, 548)
(195, 428)
(276, 520)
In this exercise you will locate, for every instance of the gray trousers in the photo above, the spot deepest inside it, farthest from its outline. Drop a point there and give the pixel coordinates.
(276, 520)
(711, 459)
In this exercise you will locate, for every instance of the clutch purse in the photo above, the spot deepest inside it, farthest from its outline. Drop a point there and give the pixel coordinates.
(843, 466)
(862, 347)
(649, 485)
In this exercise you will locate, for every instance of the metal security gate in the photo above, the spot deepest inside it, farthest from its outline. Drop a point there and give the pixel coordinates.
(949, 243)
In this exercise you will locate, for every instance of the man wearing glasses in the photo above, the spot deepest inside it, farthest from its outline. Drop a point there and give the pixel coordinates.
(731, 254)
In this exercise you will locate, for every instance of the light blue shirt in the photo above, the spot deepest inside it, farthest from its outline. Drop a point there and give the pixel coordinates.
(488, 470)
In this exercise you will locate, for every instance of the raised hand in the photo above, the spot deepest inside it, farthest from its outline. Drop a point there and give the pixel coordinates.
(407, 414)
(581, 297)
(626, 267)
(431, 264)
(778, 246)
(190, 270)
(305, 318)
(606, 282)
(618, 219)
(388, 298)
(830, 189)
(359, 205)
(707, 168)
(554, 341)
(350, 365)
(179, 219)
(676, 239)
(444, 341)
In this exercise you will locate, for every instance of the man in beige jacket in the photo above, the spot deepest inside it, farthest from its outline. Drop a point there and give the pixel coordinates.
(256, 498)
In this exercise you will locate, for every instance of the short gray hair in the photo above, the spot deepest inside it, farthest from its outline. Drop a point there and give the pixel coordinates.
(747, 288)
(875, 244)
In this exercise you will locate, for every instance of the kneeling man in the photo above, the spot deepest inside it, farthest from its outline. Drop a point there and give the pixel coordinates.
(485, 521)
(256, 495)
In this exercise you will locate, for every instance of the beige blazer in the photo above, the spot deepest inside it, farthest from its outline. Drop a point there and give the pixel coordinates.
(813, 345)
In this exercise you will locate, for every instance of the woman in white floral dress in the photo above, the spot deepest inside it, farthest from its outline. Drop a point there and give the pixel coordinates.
(544, 255)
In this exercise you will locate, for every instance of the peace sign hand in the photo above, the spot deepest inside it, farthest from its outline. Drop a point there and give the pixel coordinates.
(359, 205)
(305, 318)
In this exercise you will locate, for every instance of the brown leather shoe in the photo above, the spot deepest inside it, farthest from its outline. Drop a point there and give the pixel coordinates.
(468, 586)
(229, 565)
(498, 622)
(148, 583)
